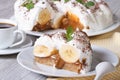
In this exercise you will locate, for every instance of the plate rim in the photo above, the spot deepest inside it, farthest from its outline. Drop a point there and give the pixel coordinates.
(48, 74)
(106, 30)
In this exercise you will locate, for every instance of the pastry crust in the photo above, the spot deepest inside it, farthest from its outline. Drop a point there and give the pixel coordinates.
(75, 67)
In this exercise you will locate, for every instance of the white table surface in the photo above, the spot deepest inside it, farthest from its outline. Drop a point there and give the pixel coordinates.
(9, 67)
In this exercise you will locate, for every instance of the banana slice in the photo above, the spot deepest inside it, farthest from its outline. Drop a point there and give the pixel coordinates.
(43, 51)
(44, 16)
(57, 19)
(69, 53)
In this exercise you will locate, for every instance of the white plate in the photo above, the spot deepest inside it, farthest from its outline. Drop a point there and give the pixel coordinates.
(26, 59)
(16, 49)
(90, 33)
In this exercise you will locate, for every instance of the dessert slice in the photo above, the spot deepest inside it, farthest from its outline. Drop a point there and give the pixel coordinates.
(55, 50)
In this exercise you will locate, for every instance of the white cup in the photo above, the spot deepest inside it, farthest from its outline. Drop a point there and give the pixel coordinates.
(9, 33)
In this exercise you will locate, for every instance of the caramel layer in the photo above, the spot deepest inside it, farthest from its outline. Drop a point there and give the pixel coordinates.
(56, 61)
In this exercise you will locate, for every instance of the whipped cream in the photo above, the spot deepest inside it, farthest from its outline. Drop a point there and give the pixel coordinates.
(44, 41)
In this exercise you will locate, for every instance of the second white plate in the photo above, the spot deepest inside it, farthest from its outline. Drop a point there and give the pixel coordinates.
(26, 59)
(89, 33)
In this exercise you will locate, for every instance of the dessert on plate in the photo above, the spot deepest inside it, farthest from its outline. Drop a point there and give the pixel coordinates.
(69, 51)
(40, 15)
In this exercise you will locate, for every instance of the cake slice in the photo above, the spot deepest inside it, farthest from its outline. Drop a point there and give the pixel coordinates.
(55, 50)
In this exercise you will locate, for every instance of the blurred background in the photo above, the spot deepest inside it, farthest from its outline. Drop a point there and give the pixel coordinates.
(6, 8)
